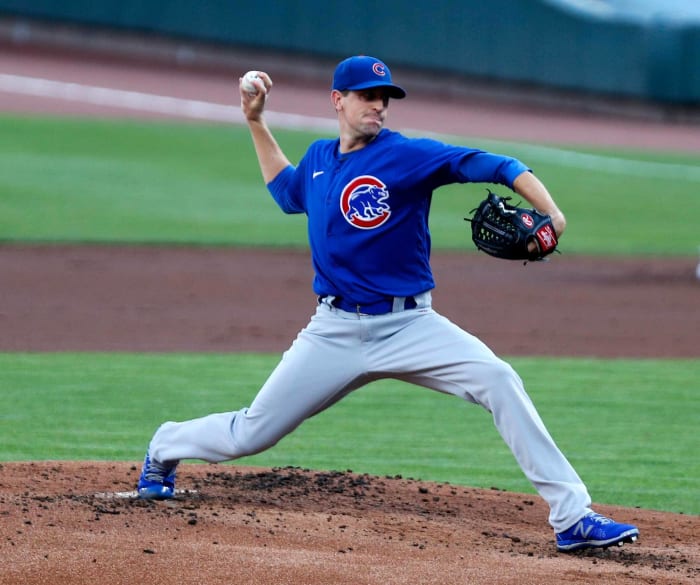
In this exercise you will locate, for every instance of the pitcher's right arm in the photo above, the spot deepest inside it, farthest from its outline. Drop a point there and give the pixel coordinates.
(270, 156)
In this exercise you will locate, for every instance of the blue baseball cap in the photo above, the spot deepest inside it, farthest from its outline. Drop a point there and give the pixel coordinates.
(362, 72)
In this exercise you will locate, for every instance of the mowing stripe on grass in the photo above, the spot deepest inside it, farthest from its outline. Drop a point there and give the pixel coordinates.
(203, 110)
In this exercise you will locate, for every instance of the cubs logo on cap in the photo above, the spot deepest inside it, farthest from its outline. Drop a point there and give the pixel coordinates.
(364, 72)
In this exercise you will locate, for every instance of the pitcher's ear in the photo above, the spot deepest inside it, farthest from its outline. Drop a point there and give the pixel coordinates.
(337, 99)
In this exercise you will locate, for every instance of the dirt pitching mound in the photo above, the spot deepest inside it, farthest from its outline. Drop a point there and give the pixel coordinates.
(73, 523)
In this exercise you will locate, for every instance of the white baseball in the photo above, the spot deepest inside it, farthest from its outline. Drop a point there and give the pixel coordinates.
(247, 83)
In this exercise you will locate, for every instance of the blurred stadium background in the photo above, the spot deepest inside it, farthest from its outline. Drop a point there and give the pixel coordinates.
(636, 57)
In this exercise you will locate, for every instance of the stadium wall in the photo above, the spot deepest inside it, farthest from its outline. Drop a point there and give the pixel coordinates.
(529, 42)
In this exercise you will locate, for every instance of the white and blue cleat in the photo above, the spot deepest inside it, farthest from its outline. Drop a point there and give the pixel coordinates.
(596, 531)
(157, 480)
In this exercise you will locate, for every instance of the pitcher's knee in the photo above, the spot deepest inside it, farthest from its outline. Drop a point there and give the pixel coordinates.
(251, 445)
(498, 380)
(500, 373)
(251, 437)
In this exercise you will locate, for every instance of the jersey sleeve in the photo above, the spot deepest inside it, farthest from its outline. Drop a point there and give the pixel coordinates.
(447, 163)
(286, 191)
(478, 166)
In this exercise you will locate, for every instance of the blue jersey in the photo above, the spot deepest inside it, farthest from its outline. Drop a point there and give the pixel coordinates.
(368, 209)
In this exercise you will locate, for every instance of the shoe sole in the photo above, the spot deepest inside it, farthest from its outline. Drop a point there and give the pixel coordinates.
(628, 537)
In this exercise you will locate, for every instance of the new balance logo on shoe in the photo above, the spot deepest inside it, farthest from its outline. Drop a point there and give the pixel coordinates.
(596, 531)
(582, 530)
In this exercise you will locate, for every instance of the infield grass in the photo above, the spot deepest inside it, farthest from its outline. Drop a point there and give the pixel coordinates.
(628, 426)
(74, 180)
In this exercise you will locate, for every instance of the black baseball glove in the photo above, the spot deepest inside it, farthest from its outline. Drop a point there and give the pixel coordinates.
(506, 231)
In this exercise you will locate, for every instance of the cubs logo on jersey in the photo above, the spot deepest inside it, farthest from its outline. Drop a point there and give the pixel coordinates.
(363, 202)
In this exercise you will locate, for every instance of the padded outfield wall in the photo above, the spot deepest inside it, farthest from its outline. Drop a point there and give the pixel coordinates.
(543, 43)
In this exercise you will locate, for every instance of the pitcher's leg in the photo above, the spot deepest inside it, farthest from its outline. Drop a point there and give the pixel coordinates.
(501, 391)
(446, 358)
(313, 374)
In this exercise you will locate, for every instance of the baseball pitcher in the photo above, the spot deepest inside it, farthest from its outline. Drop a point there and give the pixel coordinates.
(367, 197)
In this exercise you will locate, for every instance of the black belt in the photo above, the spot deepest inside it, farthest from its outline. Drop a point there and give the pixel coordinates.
(376, 308)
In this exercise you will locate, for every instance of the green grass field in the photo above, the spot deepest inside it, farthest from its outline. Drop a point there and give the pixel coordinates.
(119, 181)
(629, 426)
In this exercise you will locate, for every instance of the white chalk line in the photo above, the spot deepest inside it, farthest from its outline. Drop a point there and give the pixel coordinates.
(149, 102)
(203, 110)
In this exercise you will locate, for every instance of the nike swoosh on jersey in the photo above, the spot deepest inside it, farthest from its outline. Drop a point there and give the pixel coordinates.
(316, 174)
